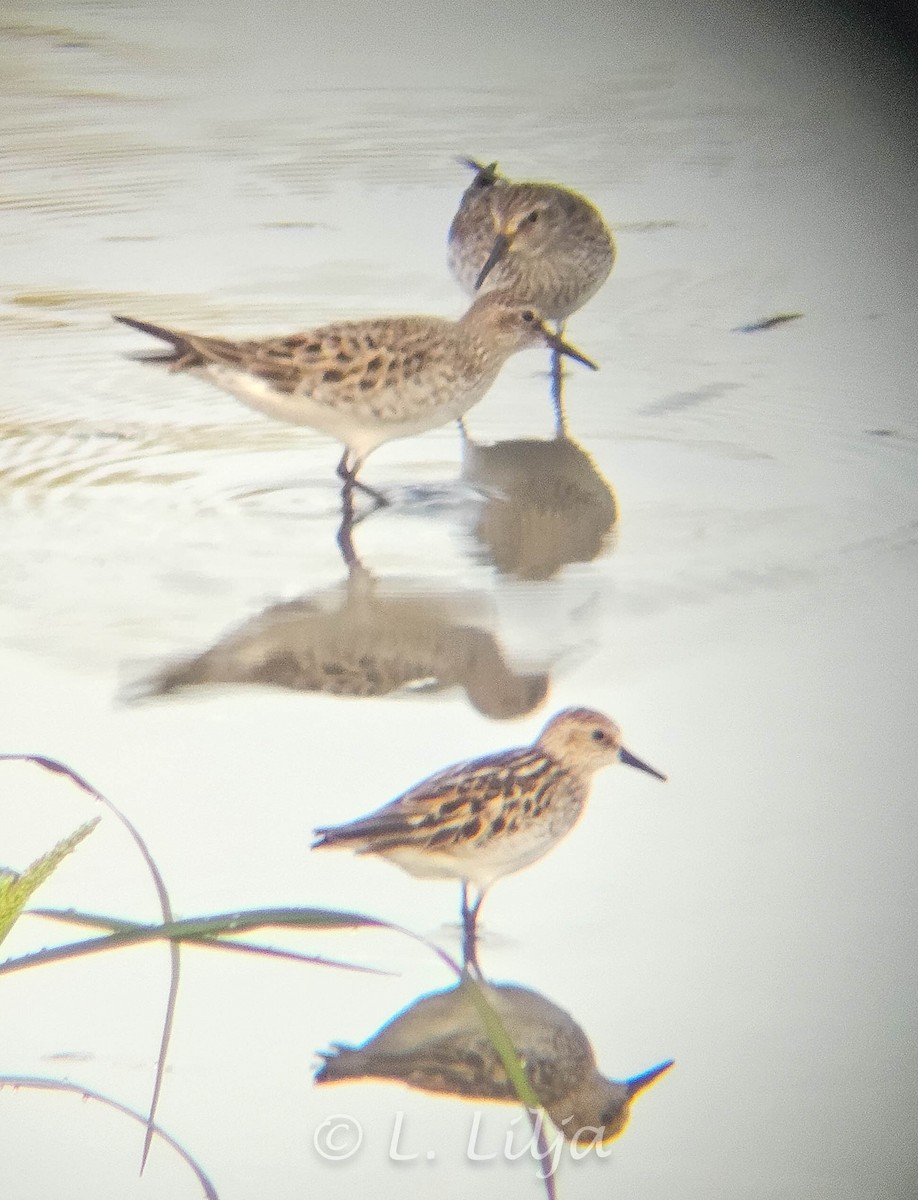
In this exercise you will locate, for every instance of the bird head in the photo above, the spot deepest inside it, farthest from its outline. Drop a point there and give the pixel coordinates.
(527, 219)
(513, 326)
(587, 740)
(599, 1109)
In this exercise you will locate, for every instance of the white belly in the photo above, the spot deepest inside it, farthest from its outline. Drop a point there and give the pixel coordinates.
(360, 423)
(480, 864)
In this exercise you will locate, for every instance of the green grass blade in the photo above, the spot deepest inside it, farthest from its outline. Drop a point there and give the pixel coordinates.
(516, 1073)
(502, 1043)
(117, 925)
(190, 929)
(59, 768)
(15, 889)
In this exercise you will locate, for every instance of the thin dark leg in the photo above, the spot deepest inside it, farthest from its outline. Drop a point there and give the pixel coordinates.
(469, 929)
(557, 386)
(348, 474)
(342, 470)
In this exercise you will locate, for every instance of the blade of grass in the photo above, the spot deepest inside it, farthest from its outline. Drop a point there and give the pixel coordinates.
(502, 1043)
(116, 925)
(516, 1073)
(36, 1083)
(198, 928)
(15, 888)
(192, 929)
(316, 960)
(59, 768)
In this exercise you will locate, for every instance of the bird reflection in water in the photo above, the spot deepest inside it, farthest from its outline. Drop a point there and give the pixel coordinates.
(364, 637)
(546, 503)
(439, 1044)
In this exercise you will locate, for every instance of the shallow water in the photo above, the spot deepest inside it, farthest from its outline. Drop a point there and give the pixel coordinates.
(726, 566)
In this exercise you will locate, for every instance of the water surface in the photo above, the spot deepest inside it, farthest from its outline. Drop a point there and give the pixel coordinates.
(726, 567)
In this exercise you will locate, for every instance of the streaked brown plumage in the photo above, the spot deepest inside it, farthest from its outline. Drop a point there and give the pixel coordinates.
(366, 382)
(439, 1044)
(489, 817)
(541, 242)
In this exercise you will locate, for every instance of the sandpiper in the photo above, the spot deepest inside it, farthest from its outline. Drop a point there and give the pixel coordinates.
(543, 243)
(489, 817)
(366, 382)
(438, 1044)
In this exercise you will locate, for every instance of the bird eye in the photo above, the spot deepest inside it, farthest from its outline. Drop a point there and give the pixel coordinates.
(598, 735)
(533, 217)
(529, 316)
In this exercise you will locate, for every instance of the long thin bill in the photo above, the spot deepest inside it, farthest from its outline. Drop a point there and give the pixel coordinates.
(562, 347)
(632, 760)
(498, 250)
(639, 1082)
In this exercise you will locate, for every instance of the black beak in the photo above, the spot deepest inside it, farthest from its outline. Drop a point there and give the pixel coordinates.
(561, 347)
(639, 1082)
(498, 250)
(632, 760)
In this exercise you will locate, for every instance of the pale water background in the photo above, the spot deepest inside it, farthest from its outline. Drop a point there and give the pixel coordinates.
(751, 623)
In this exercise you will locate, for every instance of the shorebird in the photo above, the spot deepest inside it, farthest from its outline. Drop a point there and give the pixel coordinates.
(439, 1044)
(366, 382)
(489, 817)
(542, 243)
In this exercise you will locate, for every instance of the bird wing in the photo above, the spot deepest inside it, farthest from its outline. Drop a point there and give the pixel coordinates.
(470, 1068)
(444, 807)
(459, 1067)
(463, 1065)
(373, 355)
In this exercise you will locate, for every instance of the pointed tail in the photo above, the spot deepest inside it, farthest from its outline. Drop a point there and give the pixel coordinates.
(340, 1062)
(178, 341)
